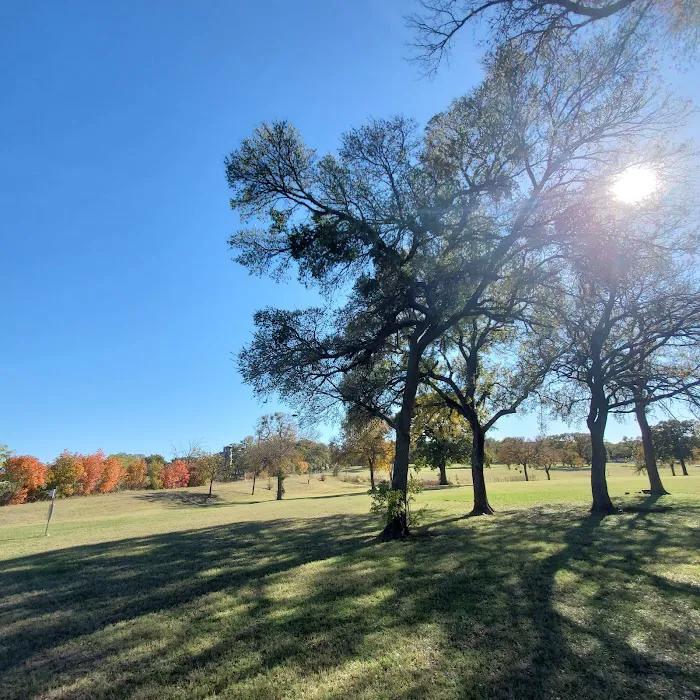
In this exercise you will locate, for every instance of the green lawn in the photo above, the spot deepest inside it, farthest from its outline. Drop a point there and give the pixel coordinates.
(164, 595)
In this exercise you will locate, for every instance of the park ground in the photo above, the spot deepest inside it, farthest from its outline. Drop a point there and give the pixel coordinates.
(168, 594)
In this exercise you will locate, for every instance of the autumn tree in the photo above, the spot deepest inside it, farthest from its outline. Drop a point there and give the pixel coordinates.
(442, 436)
(191, 454)
(111, 476)
(134, 470)
(91, 467)
(25, 476)
(417, 228)
(174, 475)
(154, 464)
(365, 441)
(64, 473)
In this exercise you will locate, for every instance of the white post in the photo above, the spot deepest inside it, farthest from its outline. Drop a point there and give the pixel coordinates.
(52, 496)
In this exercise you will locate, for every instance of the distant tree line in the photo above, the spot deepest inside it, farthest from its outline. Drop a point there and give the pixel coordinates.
(278, 449)
(24, 478)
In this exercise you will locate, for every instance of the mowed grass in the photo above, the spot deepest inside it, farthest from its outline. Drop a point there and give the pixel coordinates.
(169, 595)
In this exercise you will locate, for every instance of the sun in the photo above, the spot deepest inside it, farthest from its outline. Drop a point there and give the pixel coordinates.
(634, 184)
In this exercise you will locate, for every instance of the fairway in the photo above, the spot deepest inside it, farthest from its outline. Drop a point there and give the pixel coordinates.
(164, 594)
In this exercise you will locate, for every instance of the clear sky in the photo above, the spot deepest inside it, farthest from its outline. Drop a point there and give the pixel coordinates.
(120, 306)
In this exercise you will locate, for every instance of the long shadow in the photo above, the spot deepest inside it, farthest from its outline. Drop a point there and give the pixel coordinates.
(182, 498)
(531, 604)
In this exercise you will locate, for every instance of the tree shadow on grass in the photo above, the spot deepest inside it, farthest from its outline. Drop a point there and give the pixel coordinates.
(182, 498)
(532, 604)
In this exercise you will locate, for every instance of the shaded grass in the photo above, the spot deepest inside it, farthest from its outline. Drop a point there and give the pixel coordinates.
(298, 600)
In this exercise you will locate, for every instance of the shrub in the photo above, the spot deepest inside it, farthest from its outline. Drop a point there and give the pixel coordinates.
(390, 503)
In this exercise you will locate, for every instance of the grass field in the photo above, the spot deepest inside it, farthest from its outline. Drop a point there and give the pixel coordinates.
(166, 595)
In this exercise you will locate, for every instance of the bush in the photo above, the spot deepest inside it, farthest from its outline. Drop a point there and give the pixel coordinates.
(390, 503)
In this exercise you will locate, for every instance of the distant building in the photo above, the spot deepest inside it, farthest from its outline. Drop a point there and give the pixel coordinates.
(232, 466)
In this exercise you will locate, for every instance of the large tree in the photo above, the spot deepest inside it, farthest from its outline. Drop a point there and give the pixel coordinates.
(419, 229)
(486, 368)
(441, 436)
(624, 304)
(538, 23)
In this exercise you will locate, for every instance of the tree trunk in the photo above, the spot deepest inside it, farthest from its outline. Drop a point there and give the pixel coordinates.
(525, 471)
(546, 471)
(443, 474)
(683, 469)
(655, 485)
(280, 489)
(398, 527)
(673, 469)
(253, 491)
(211, 484)
(371, 474)
(481, 501)
(597, 419)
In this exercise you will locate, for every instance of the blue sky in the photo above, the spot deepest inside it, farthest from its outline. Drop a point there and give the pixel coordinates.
(120, 305)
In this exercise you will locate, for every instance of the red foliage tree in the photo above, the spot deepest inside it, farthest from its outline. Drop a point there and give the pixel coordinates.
(175, 474)
(111, 475)
(92, 467)
(26, 475)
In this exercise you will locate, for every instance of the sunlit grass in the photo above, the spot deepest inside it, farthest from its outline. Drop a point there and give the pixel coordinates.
(163, 596)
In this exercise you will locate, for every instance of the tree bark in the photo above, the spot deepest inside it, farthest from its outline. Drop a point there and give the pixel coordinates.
(655, 485)
(525, 471)
(546, 470)
(597, 419)
(398, 527)
(683, 469)
(481, 501)
(211, 485)
(280, 489)
(253, 491)
(443, 474)
(673, 469)
(371, 474)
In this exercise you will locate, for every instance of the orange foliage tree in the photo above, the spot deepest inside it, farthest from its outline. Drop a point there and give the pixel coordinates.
(26, 475)
(92, 467)
(134, 476)
(175, 474)
(111, 474)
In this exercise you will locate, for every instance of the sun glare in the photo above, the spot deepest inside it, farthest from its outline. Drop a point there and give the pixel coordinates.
(634, 184)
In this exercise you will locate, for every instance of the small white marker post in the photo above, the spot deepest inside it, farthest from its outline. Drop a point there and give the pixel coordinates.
(52, 496)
